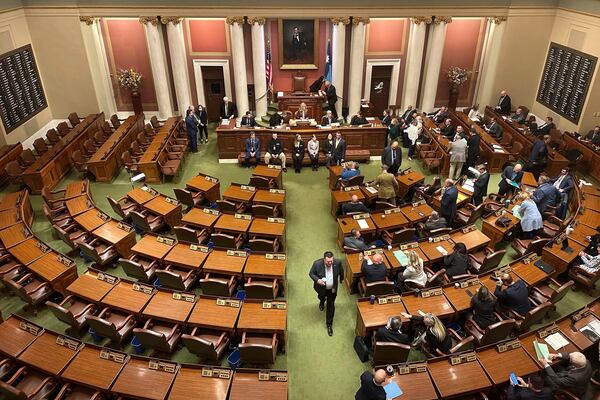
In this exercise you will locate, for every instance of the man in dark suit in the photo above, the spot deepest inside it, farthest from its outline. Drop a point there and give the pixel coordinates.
(248, 120)
(276, 119)
(358, 119)
(545, 195)
(440, 115)
(392, 157)
(371, 386)
(504, 105)
(447, 129)
(533, 389)
(545, 128)
(480, 185)
(316, 85)
(192, 130)
(374, 269)
(338, 153)
(564, 183)
(252, 149)
(510, 174)
(392, 333)
(386, 118)
(573, 372)
(538, 157)
(593, 132)
(512, 295)
(327, 119)
(331, 98)
(326, 273)
(298, 44)
(355, 240)
(432, 223)
(408, 114)
(494, 129)
(473, 143)
(448, 202)
(228, 110)
(354, 206)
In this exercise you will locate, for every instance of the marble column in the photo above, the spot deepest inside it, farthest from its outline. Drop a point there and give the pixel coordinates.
(486, 92)
(236, 26)
(94, 46)
(158, 63)
(177, 52)
(357, 61)
(414, 60)
(435, 50)
(338, 54)
(259, 64)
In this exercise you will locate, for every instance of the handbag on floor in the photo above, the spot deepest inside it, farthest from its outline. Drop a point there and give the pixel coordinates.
(362, 351)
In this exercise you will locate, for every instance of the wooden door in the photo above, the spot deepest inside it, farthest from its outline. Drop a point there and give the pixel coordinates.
(380, 87)
(214, 90)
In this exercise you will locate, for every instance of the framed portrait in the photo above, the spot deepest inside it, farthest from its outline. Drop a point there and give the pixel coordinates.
(298, 43)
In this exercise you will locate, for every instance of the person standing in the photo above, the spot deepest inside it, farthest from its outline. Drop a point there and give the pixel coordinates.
(448, 202)
(332, 98)
(480, 185)
(228, 110)
(371, 386)
(412, 132)
(339, 149)
(203, 126)
(387, 186)
(392, 157)
(326, 272)
(252, 149)
(298, 153)
(504, 104)
(538, 158)
(393, 130)
(473, 144)
(328, 149)
(458, 156)
(531, 218)
(192, 130)
(313, 152)
(510, 175)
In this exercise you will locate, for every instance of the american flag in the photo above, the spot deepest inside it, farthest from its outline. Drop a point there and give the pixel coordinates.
(268, 71)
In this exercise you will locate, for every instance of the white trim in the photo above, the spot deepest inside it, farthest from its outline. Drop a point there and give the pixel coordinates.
(375, 158)
(198, 76)
(228, 160)
(395, 63)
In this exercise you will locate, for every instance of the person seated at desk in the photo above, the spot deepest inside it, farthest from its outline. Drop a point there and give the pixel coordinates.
(316, 85)
(392, 332)
(593, 132)
(275, 150)
(413, 272)
(298, 153)
(504, 104)
(439, 116)
(373, 268)
(355, 241)
(371, 386)
(358, 119)
(531, 219)
(276, 119)
(533, 389)
(573, 372)
(564, 184)
(545, 195)
(518, 116)
(511, 174)
(354, 206)
(252, 149)
(394, 130)
(328, 119)
(589, 263)
(433, 337)
(494, 129)
(432, 223)
(594, 243)
(457, 262)
(248, 120)
(531, 123)
(350, 170)
(545, 128)
(474, 113)
(302, 112)
(512, 295)
(386, 118)
(483, 305)
(328, 149)
(447, 129)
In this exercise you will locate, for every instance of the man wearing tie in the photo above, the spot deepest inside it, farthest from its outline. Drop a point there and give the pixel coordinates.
(331, 98)
(408, 114)
(326, 272)
(392, 157)
(227, 109)
(504, 103)
(545, 128)
(252, 149)
(248, 120)
(564, 184)
(327, 119)
(448, 203)
(480, 185)
(440, 115)
(339, 149)
(494, 129)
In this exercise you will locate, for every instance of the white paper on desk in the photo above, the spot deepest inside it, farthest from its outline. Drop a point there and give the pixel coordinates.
(468, 185)
(371, 189)
(370, 118)
(557, 341)
(498, 151)
(279, 94)
(362, 224)
(595, 326)
(496, 146)
(225, 122)
(442, 250)
(335, 124)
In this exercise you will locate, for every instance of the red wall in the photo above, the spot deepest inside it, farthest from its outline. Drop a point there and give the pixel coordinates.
(208, 36)
(386, 35)
(462, 48)
(126, 47)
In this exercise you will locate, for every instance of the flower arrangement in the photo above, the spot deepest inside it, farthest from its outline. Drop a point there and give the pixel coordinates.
(457, 76)
(130, 79)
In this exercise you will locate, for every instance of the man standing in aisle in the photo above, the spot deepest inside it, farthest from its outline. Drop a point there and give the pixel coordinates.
(192, 130)
(326, 272)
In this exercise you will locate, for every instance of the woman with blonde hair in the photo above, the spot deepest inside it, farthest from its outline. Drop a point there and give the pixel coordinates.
(531, 219)
(413, 272)
(434, 339)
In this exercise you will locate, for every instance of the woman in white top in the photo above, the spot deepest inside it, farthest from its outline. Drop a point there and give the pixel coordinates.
(313, 152)
(413, 272)
(413, 134)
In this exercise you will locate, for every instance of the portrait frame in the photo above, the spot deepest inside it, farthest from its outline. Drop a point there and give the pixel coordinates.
(309, 57)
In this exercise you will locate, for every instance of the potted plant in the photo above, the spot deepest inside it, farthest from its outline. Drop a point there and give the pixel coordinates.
(457, 76)
(131, 80)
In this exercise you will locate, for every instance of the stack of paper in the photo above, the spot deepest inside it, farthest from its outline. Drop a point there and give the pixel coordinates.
(363, 224)
(225, 122)
(557, 341)
(371, 189)
(370, 118)
(401, 257)
(541, 350)
(441, 250)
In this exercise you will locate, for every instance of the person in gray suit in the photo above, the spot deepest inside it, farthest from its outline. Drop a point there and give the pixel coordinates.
(494, 129)
(355, 240)
(326, 272)
(458, 156)
(572, 373)
(519, 116)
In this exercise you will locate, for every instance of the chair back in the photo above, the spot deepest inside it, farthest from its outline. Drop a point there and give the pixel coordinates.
(517, 148)
(63, 129)
(140, 221)
(383, 205)
(476, 214)
(99, 137)
(52, 136)
(78, 160)
(390, 353)
(536, 246)
(73, 119)
(106, 128)
(354, 181)
(223, 240)
(126, 158)
(439, 231)
(13, 170)
(497, 331)
(89, 147)
(561, 291)
(90, 252)
(299, 82)
(204, 349)
(260, 290)
(154, 122)
(64, 236)
(261, 182)
(103, 327)
(403, 235)
(27, 157)
(133, 269)
(464, 345)
(184, 196)
(215, 287)
(152, 340)
(185, 234)
(40, 146)
(437, 278)
(491, 261)
(535, 315)
(114, 120)
(116, 207)
(263, 210)
(170, 280)
(226, 206)
(379, 288)
(10, 392)
(255, 353)
(269, 245)
(62, 314)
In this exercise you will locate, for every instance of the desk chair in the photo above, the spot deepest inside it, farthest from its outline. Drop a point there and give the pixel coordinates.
(226, 241)
(515, 152)
(13, 172)
(550, 290)
(10, 267)
(459, 344)
(147, 222)
(71, 391)
(143, 140)
(129, 162)
(115, 121)
(468, 215)
(107, 129)
(155, 122)
(262, 183)
(534, 316)
(553, 226)
(385, 353)
(99, 138)
(209, 346)
(28, 383)
(433, 159)
(214, 285)
(383, 205)
(584, 279)
(53, 200)
(150, 131)
(158, 335)
(377, 288)
(60, 216)
(74, 119)
(354, 181)
(176, 278)
(485, 260)
(261, 288)
(27, 158)
(7, 368)
(263, 210)
(433, 279)
(266, 245)
(31, 289)
(79, 161)
(229, 207)
(71, 235)
(138, 267)
(495, 332)
(63, 129)
(169, 164)
(190, 199)
(400, 236)
(258, 348)
(52, 137)
(112, 324)
(72, 311)
(527, 246)
(40, 146)
(89, 148)
(99, 251)
(190, 235)
(135, 150)
(122, 206)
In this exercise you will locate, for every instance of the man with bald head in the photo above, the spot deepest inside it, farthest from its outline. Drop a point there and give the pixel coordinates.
(355, 206)
(373, 268)
(504, 105)
(509, 175)
(572, 372)
(371, 386)
(228, 110)
(448, 201)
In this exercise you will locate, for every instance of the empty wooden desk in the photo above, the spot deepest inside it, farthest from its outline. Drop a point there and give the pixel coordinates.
(372, 316)
(46, 354)
(473, 240)
(153, 247)
(268, 228)
(237, 194)
(437, 305)
(169, 209)
(407, 181)
(164, 305)
(528, 272)
(75, 189)
(16, 334)
(263, 267)
(271, 197)
(499, 365)
(92, 285)
(460, 298)
(335, 171)
(581, 232)
(255, 318)
(415, 385)
(201, 218)
(119, 235)
(416, 213)
(593, 203)
(191, 384)
(209, 186)
(78, 204)
(225, 262)
(272, 172)
(142, 195)
(92, 219)
(14, 234)
(96, 367)
(9, 217)
(207, 313)
(235, 224)
(589, 217)
(146, 378)
(497, 233)
(452, 380)
(247, 386)
(561, 259)
(56, 269)
(11, 200)
(186, 256)
(129, 297)
(29, 250)
(389, 220)
(339, 197)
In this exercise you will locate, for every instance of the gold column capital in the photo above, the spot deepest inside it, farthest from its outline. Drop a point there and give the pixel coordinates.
(497, 20)
(256, 20)
(234, 20)
(442, 18)
(419, 20)
(173, 20)
(358, 20)
(340, 20)
(88, 20)
(145, 20)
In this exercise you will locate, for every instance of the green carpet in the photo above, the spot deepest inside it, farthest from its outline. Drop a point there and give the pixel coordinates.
(320, 366)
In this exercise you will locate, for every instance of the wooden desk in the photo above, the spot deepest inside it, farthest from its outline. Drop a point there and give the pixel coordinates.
(89, 287)
(528, 273)
(527, 343)
(272, 173)
(416, 214)
(236, 194)
(76, 189)
(263, 228)
(208, 314)
(171, 212)
(267, 197)
(208, 185)
(580, 233)
(92, 219)
(258, 266)
(229, 223)
(591, 190)
(591, 159)
(10, 200)
(473, 240)
(163, 306)
(89, 369)
(124, 298)
(497, 233)
(254, 318)
(389, 222)
(156, 382)
(13, 338)
(370, 317)
(430, 249)
(352, 271)
(9, 217)
(452, 380)
(150, 247)
(79, 204)
(156, 150)
(291, 101)
(219, 262)
(464, 196)
(122, 239)
(559, 258)
(490, 283)
(499, 366)
(529, 180)
(199, 218)
(407, 181)
(339, 197)
(51, 267)
(371, 195)
(46, 355)
(592, 203)
(246, 386)
(29, 250)
(9, 153)
(437, 305)
(590, 218)
(335, 172)
(141, 195)
(190, 384)
(581, 341)
(416, 386)
(181, 255)
(460, 298)
(393, 261)
(14, 234)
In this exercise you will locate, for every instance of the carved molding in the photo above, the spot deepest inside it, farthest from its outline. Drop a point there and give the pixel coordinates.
(87, 19)
(153, 20)
(497, 20)
(439, 19)
(419, 20)
(340, 20)
(173, 20)
(234, 20)
(358, 20)
(257, 20)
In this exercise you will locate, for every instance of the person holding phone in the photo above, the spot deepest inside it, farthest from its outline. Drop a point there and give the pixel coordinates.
(533, 389)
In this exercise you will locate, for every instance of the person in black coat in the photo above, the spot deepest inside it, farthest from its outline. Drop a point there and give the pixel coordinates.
(358, 119)
(276, 119)
(203, 126)
(338, 152)
(328, 149)
(457, 262)
(371, 386)
(447, 129)
(392, 333)
(504, 105)
(510, 174)
(440, 115)
(448, 202)
(252, 149)
(473, 143)
(533, 389)
(545, 128)
(326, 272)
(545, 195)
(538, 158)
(374, 269)
(483, 308)
(228, 110)
(392, 157)
(571, 371)
(480, 185)
(316, 85)
(332, 98)
(435, 337)
(512, 295)
(298, 153)
(248, 120)
(192, 130)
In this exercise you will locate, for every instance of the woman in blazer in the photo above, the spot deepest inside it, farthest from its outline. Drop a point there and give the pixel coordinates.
(531, 219)
(483, 308)
(457, 262)
(313, 152)
(203, 125)
(328, 148)
(298, 153)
